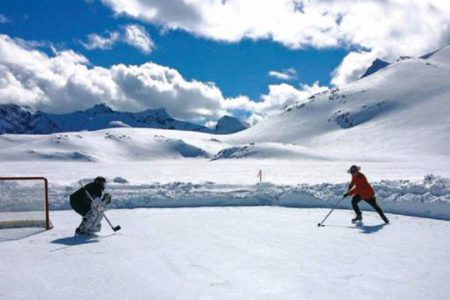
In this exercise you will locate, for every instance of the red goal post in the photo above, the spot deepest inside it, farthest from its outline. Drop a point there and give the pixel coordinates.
(24, 202)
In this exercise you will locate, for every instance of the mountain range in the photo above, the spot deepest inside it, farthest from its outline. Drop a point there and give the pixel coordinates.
(15, 119)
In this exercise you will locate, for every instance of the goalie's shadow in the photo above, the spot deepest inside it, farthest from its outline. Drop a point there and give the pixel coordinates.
(73, 241)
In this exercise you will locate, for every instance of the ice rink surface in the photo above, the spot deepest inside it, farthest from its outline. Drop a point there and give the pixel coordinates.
(231, 253)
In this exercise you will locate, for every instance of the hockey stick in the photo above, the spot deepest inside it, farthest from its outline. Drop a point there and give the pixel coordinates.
(114, 228)
(335, 206)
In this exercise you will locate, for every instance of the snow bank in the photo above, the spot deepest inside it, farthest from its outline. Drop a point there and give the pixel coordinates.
(429, 198)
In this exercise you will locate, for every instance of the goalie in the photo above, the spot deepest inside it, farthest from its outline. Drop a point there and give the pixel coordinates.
(90, 202)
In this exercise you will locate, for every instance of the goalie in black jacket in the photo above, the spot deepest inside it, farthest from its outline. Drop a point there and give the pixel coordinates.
(90, 202)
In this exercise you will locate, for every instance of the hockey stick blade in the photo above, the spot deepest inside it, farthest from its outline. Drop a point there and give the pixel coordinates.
(117, 228)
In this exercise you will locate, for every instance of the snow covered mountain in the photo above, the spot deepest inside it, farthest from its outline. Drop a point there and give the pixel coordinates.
(228, 124)
(377, 65)
(16, 119)
(402, 111)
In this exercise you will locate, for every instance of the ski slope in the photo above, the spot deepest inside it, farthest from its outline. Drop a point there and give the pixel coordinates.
(232, 253)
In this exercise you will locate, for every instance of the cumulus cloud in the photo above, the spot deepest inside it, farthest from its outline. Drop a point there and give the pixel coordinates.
(96, 41)
(65, 81)
(211, 124)
(287, 74)
(352, 67)
(138, 37)
(132, 34)
(389, 28)
(279, 97)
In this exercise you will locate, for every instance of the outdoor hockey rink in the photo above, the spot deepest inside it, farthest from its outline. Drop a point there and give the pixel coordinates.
(231, 253)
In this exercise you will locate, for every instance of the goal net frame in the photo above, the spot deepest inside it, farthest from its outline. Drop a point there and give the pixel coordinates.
(47, 224)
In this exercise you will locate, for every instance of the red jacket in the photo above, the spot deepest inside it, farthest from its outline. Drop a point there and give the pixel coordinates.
(361, 187)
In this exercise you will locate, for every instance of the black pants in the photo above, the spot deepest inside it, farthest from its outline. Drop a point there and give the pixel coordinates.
(81, 205)
(372, 201)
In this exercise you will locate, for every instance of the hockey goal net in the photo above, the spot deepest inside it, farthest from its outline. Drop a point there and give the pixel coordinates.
(24, 202)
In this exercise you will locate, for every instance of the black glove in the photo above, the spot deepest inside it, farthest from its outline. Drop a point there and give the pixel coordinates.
(345, 195)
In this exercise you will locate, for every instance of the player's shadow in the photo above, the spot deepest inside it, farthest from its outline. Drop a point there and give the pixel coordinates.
(368, 229)
(73, 241)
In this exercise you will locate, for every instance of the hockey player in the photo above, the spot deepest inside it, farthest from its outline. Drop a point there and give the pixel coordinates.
(360, 189)
(90, 202)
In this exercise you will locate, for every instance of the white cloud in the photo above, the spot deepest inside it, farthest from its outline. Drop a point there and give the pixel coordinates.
(138, 37)
(279, 97)
(352, 67)
(288, 74)
(211, 124)
(65, 82)
(3, 19)
(390, 28)
(298, 23)
(134, 35)
(96, 41)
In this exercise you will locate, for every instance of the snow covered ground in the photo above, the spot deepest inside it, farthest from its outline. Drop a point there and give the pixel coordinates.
(231, 253)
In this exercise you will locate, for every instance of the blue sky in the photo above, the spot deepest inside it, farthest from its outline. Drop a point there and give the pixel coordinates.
(202, 59)
(238, 68)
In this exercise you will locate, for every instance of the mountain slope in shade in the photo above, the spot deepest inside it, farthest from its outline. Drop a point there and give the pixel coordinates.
(19, 120)
(16, 119)
(403, 110)
(101, 116)
(377, 65)
(228, 124)
(441, 56)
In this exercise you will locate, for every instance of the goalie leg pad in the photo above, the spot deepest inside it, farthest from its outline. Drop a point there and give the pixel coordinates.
(90, 221)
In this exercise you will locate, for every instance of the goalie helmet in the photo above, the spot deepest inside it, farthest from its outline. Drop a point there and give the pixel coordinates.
(100, 180)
